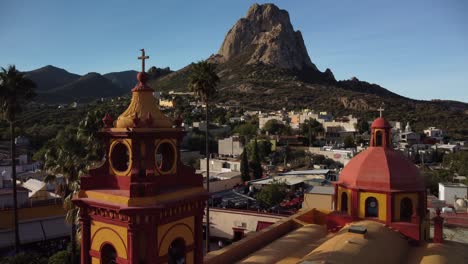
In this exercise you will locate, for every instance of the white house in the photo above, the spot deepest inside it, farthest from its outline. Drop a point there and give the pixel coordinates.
(448, 191)
(435, 133)
(231, 146)
(221, 165)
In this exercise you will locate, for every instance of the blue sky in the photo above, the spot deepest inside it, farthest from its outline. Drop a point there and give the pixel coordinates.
(415, 48)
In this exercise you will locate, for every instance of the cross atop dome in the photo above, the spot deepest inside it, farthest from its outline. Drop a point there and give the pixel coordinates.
(381, 109)
(143, 57)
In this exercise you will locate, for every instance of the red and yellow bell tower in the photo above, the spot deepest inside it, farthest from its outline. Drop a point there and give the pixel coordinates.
(142, 205)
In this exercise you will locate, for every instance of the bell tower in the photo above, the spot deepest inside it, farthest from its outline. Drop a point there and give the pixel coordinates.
(142, 205)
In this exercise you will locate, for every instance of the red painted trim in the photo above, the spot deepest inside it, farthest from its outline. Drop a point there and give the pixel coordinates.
(108, 220)
(95, 254)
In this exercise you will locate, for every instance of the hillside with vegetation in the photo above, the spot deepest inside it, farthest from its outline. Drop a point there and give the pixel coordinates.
(262, 67)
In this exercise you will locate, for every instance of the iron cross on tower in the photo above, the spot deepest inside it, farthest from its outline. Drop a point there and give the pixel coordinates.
(380, 110)
(143, 58)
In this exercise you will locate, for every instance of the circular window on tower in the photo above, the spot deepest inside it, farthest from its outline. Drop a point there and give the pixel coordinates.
(165, 156)
(120, 158)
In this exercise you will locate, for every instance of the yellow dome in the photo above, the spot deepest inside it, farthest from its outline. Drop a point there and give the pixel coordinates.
(143, 110)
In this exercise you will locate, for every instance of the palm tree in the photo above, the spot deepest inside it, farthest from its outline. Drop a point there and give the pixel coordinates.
(70, 154)
(203, 81)
(64, 157)
(15, 91)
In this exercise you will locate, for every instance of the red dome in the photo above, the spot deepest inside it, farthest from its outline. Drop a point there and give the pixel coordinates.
(381, 169)
(380, 123)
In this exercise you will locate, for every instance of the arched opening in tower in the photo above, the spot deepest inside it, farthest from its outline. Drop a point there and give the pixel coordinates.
(177, 252)
(378, 139)
(108, 254)
(372, 207)
(344, 202)
(406, 209)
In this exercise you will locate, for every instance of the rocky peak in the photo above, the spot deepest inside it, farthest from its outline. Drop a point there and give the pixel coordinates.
(267, 33)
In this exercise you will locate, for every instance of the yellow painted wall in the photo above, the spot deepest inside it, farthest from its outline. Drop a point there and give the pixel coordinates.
(397, 201)
(382, 203)
(138, 201)
(113, 234)
(95, 261)
(24, 214)
(183, 228)
(341, 190)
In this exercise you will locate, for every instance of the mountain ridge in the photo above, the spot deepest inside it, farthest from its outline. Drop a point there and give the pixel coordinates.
(254, 76)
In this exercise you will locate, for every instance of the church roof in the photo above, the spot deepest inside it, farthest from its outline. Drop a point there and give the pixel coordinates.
(347, 247)
(380, 123)
(143, 110)
(379, 168)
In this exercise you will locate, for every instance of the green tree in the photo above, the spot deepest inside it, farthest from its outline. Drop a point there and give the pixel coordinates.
(255, 164)
(276, 127)
(59, 257)
(272, 194)
(246, 130)
(244, 166)
(457, 162)
(310, 129)
(263, 149)
(349, 142)
(71, 153)
(15, 91)
(24, 258)
(362, 126)
(203, 81)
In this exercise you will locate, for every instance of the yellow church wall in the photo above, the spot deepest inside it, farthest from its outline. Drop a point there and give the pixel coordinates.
(382, 203)
(184, 229)
(401, 196)
(342, 190)
(95, 260)
(138, 201)
(102, 233)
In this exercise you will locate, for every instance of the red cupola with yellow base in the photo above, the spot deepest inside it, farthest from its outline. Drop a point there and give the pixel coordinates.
(383, 185)
(142, 205)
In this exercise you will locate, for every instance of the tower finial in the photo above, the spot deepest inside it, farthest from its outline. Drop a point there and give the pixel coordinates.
(143, 57)
(381, 109)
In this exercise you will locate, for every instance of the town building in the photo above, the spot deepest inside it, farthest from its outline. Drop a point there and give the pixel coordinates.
(231, 146)
(449, 192)
(408, 137)
(233, 225)
(380, 201)
(319, 197)
(435, 133)
(221, 165)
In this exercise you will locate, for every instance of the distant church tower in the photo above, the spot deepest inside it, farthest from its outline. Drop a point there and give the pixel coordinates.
(142, 205)
(381, 184)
